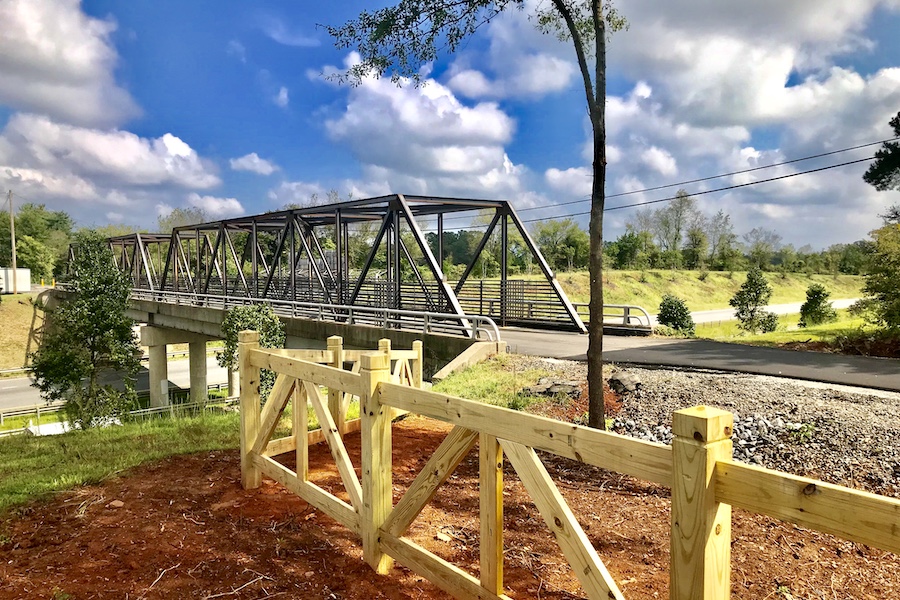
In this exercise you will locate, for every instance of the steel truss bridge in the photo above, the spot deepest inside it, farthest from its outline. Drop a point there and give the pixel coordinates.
(371, 253)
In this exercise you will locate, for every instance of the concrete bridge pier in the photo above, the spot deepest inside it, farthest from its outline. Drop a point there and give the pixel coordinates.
(157, 340)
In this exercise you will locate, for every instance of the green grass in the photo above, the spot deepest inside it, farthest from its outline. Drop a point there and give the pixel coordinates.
(700, 292)
(31, 467)
(46, 417)
(492, 382)
(17, 314)
(728, 331)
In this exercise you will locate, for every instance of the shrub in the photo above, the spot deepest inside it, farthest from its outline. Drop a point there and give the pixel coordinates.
(674, 313)
(749, 302)
(817, 309)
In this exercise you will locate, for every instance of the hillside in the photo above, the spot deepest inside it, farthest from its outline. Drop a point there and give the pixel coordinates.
(701, 291)
(16, 314)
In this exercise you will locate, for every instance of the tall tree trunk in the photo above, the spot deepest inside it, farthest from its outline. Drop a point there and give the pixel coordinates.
(597, 108)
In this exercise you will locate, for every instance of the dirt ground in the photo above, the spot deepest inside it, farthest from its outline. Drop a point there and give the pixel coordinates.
(184, 528)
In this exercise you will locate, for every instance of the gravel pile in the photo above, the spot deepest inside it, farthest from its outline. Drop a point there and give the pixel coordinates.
(842, 435)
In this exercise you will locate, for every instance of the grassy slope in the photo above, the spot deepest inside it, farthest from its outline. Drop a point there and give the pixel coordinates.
(34, 466)
(626, 287)
(16, 313)
(788, 331)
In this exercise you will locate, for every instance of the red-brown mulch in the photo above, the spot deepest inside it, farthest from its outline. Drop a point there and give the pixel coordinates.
(186, 529)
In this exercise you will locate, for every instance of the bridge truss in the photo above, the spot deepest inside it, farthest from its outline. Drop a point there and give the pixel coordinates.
(372, 252)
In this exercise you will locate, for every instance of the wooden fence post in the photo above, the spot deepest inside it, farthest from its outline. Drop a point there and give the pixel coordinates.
(375, 436)
(248, 341)
(336, 396)
(417, 364)
(701, 527)
(490, 467)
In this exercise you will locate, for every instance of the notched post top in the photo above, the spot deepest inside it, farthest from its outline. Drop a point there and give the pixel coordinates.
(248, 337)
(703, 424)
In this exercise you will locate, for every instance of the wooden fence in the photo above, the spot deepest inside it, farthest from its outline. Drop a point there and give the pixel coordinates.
(698, 467)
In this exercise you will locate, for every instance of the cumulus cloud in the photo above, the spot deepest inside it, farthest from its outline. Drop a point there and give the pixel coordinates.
(425, 140)
(576, 181)
(36, 142)
(217, 208)
(56, 60)
(253, 163)
(519, 63)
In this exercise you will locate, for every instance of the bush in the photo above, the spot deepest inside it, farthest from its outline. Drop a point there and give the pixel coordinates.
(817, 309)
(768, 322)
(749, 302)
(674, 313)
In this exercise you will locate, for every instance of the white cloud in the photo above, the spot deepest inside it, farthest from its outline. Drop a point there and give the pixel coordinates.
(58, 61)
(281, 98)
(659, 160)
(217, 208)
(278, 31)
(520, 62)
(253, 163)
(36, 142)
(576, 181)
(425, 140)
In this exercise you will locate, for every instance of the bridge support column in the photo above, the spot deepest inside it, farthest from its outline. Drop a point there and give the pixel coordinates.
(197, 354)
(157, 339)
(159, 376)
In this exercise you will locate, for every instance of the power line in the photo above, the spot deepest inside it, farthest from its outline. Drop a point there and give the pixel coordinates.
(670, 198)
(721, 189)
(700, 180)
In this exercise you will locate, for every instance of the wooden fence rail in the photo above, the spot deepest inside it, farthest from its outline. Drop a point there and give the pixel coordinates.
(698, 468)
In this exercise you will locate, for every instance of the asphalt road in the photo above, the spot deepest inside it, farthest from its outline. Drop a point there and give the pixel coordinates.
(18, 391)
(860, 371)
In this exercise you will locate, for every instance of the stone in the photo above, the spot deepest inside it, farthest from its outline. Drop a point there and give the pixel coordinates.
(622, 382)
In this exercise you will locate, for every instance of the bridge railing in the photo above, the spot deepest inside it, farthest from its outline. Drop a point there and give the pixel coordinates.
(473, 326)
(628, 315)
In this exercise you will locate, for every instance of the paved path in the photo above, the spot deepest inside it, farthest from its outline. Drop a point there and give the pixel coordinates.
(727, 314)
(16, 392)
(860, 371)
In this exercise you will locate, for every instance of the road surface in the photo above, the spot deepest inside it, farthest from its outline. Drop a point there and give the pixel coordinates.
(18, 391)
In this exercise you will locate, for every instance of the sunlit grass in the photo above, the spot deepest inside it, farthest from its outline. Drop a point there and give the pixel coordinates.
(788, 331)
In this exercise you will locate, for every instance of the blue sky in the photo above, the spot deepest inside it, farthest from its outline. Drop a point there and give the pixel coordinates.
(122, 111)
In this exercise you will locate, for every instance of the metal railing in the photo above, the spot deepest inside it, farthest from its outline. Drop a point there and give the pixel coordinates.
(630, 315)
(474, 326)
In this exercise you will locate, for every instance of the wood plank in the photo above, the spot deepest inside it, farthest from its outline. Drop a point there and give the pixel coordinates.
(280, 446)
(851, 514)
(314, 356)
(436, 471)
(335, 444)
(300, 429)
(644, 460)
(331, 505)
(443, 574)
(307, 371)
(272, 411)
(316, 436)
(700, 538)
(577, 548)
(490, 469)
(348, 397)
(248, 342)
(375, 440)
(404, 355)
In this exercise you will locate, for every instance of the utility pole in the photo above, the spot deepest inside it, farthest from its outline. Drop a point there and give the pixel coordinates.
(12, 235)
